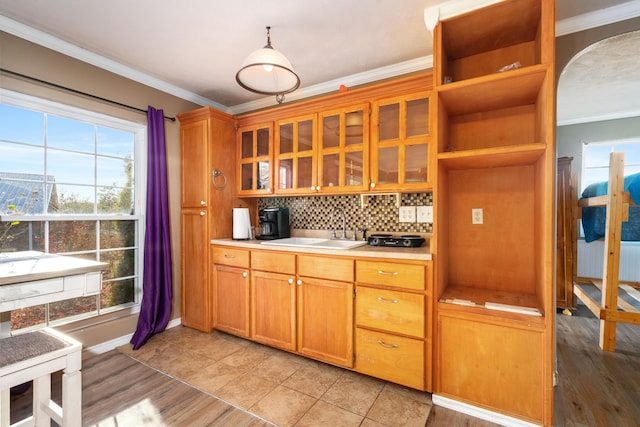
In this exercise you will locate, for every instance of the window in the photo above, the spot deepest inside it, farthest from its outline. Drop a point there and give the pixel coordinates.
(595, 159)
(71, 183)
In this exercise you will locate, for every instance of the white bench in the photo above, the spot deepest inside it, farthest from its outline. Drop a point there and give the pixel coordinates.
(34, 357)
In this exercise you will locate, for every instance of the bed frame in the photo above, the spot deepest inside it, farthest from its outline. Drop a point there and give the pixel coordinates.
(611, 309)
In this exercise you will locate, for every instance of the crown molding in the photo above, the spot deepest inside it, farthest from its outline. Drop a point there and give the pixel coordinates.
(41, 38)
(377, 74)
(598, 18)
(599, 118)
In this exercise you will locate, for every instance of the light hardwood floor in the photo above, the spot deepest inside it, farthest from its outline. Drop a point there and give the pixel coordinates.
(595, 388)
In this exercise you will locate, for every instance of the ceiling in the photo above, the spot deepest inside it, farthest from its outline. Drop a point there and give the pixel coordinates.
(195, 51)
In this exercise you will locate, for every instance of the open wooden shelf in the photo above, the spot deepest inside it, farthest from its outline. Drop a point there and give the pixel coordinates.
(525, 154)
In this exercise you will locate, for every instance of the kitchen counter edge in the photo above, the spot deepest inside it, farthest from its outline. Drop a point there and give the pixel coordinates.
(420, 254)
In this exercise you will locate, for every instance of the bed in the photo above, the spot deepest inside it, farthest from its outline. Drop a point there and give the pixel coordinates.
(607, 212)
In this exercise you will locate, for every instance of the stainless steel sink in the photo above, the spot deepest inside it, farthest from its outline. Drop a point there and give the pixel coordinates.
(318, 243)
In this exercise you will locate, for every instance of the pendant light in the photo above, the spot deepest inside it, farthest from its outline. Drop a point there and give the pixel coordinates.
(268, 72)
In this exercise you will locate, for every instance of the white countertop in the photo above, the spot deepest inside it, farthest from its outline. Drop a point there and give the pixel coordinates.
(27, 266)
(422, 253)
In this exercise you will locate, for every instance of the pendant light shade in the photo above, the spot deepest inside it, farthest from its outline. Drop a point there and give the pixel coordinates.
(267, 71)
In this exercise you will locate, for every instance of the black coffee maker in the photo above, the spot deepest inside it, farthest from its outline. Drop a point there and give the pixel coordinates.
(274, 223)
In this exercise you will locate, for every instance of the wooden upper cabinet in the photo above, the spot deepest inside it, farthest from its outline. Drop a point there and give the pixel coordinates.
(343, 149)
(255, 160)
(194, 181)
(400, 143)
(295, 155)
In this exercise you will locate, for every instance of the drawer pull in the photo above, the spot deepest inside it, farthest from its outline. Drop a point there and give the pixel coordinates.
(393, 301)
(388, 273)
(384, 344)
(229, 256)
(245, 274)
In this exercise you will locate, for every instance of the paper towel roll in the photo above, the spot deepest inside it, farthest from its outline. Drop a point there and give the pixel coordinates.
(241, 223)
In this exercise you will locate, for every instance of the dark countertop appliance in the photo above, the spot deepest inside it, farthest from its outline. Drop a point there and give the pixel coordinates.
(406, 241)
(274, 223)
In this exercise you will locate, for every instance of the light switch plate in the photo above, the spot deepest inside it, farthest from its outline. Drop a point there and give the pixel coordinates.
(407, 214)
(424, 214)
(477, 216)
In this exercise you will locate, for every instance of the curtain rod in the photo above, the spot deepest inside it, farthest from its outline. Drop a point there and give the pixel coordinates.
(24, 76)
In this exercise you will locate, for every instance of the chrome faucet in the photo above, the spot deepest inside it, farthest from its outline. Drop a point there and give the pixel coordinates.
(344, 224)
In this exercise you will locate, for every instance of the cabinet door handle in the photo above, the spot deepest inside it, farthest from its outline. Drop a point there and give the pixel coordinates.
(202, 213)
(245, 274)
(393, 301)
(388, 273)
(229, 256)
(290, 281)
(299, 282)
(202, 203)
(384, 344)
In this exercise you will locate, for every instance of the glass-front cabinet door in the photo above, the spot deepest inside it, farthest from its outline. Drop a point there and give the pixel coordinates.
(400, 143)
(343, 151)
(255, 175)
(295, 147)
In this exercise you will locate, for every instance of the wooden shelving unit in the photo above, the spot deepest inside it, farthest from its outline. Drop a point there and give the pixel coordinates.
(494, 272)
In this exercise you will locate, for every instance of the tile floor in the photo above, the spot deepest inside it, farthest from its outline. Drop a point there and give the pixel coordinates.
(278, 386)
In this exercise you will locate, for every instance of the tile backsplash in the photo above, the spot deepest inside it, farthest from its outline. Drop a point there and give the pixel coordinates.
(378, 213)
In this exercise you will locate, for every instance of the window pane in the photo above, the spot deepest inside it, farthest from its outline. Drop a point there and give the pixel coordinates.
(25, 194)
(21, 159)
(304, 172)
(70, 134)
(354, 168)
(418, 117)
(596, 155)
(331, 131)
(72, 236)
(389, 122)
(117, 234)
(72, 168)
(27, 317)
(72, 307)
(354, 129)
(305, 135)
(121, 263)
(75, 199)
(286, 173)
(20, 125)
(388, 165)
(115, 200)
(416, 163)
(263, 142)
(21, 236)
(330, 170)
(631, 154)
(115, 172)
(115, 142)
(286, 138)
(117, 293)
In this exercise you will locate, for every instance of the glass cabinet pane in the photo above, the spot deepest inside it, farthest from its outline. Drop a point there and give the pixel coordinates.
(263, 142)
(418, 117)
(388, 165)
(305, 136)
(330, 170)
(389, 122)
(331, 131)
(263, 175)
(286, 138)
(354, 128)
(247, 144)
(285, 173)
(354, 168)
(416, 163)
(305, 170)
(247, 176)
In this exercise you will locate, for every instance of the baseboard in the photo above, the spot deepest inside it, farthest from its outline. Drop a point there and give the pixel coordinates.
(481, 413)
(117, 342)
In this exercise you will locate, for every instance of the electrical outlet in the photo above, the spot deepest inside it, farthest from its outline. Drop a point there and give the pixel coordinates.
(477, 216)
(407, 214)
(424, 214)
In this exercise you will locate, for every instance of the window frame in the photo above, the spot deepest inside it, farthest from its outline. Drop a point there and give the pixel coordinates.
(139, 129)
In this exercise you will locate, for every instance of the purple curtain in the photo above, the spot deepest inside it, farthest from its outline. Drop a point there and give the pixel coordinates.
(157, 286)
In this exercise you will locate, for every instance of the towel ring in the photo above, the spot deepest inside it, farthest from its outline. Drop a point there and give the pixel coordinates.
(216, 173)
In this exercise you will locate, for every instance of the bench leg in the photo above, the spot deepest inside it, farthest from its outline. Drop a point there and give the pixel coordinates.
(5, 411)
(41, 399)
(72, 398)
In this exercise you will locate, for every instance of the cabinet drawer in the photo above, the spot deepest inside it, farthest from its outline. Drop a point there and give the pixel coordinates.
(392, 311)
(278, 262)
(393, 358)
(232, 257)
(409, 276)
(326, 268)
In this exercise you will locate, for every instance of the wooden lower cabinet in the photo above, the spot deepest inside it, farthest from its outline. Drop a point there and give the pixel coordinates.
(325, 320)
(273, 309)
(194, 266)
(231, 291)
(491, 363)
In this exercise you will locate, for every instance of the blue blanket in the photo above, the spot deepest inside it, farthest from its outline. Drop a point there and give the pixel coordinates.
(594, 218)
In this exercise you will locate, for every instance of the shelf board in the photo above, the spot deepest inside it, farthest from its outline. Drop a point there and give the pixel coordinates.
(512, 155)
(476, 298)
(493, 92)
